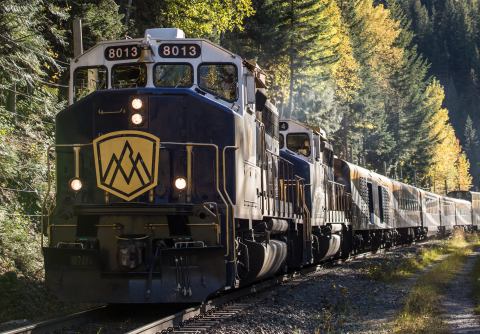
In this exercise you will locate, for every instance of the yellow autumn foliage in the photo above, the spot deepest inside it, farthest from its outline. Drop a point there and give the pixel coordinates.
(345, 71)
(327, 43)
(381, 31)
(450, 166)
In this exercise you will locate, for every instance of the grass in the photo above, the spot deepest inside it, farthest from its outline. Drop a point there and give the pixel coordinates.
(422, 305)
(394, 270)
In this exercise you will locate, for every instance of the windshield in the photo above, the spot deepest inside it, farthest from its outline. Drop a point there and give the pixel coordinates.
(173, 75)
(129, 76)
(219, 80)
(299, 143)
(86, 80)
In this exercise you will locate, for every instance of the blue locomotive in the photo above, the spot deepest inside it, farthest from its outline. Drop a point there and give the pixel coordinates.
(175, 180)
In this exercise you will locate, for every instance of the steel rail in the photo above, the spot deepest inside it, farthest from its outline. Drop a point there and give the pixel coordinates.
(57, 324)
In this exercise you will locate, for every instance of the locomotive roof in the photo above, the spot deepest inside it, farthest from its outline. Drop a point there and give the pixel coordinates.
(156, 35)
(150, 50)
(318, 131)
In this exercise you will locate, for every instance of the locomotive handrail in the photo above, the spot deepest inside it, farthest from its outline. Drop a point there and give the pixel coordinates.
(49, 181)
(224, 171)
(279, 201)
(278, 156)
(336, 183)
(289, 165)
(217, 183)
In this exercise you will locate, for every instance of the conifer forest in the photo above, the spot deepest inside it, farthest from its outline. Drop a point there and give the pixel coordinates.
(395, 84)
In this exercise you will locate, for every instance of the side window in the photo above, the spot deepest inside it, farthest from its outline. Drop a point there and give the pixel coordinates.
(173, 75)
(370, 203)
(219, 80)
(380, 204)
(86, 80)
(281, 141)
(129, 76)
(327, 155)
(270, 119)
(299, 143)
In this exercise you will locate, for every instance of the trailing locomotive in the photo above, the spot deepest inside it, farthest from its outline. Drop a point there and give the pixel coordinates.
(175, 180)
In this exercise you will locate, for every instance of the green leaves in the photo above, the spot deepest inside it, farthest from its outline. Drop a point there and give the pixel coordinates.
(28, 105)
(199, 18)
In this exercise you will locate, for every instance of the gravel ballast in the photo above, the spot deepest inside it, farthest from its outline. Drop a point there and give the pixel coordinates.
(339, 299)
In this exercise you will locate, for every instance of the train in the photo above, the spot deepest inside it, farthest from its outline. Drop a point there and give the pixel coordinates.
(176, 179)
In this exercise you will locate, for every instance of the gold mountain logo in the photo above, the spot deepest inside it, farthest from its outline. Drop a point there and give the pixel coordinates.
(126, 162)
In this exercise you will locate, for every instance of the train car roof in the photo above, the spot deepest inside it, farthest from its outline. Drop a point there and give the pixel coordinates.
(368, 173)
(465, 194)
(456, 200)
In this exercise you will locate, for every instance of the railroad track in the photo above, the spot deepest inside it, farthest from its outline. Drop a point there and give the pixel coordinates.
(58, 324)
(104, 319)
(201, 318)
(195, 319)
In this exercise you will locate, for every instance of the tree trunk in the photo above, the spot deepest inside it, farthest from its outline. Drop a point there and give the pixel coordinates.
(290, 95)
(127, 12)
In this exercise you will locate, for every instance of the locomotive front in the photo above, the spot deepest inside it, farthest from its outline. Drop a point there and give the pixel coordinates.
(145, 172)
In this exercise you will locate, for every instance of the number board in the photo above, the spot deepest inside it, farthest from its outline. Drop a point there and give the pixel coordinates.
(122, 52)
(171, 50)
(283, 126)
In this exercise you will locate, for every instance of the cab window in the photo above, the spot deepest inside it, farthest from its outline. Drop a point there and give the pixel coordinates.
(173, 75)
(281, 141)
(129, 76)
(86, 80)
(219, 80)
(299, 143)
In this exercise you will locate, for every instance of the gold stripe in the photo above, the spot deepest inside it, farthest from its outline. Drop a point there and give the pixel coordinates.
(189, 172)
(76, 150)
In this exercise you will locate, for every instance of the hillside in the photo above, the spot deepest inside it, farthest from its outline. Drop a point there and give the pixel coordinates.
(447, 33)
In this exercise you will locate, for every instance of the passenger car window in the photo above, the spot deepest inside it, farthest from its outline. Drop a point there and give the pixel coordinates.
(299, 143)
(219, 79)
(371, 208)
(173, 75)
(380, 204)
(129, 76)
(86, 80)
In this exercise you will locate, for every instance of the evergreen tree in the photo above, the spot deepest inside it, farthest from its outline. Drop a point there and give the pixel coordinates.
(447, 34)
(306, 39)
(408, 119)
(255, 42)
(298, 44)
(449, 165)
(372, 33)
(472, 149)
(471, 138)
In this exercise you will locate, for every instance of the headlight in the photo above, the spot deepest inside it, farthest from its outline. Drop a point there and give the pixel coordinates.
(137, 104)
(180, 183)
(76, 184)
(137, 119)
